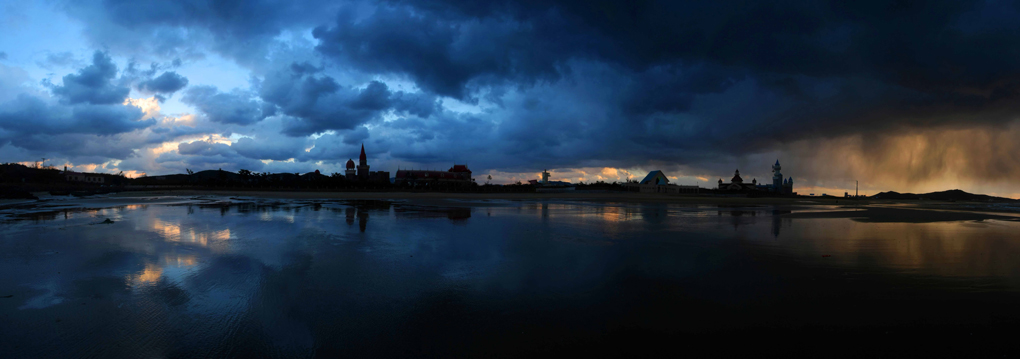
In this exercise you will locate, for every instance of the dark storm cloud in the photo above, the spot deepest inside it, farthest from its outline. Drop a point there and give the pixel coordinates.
(317, 103)
(932, 56)
(356, 136)
(238, 18)
(79, 148)
(416, 104)
(442, 54)
(236, 107)
(237, 29)
(167, 83)
(93, 84)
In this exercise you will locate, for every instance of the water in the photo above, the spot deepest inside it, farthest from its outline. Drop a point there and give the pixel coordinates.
(219, 277)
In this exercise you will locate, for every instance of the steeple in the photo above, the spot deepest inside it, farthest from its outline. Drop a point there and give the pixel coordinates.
(363, 172)
(363, 159)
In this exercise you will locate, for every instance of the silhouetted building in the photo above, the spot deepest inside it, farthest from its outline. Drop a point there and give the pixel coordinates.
(778, 185)
(456, 175)
(361, 172)
(737, 184)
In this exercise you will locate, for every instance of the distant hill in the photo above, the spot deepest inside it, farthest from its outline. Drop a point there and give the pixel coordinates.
(950, 195)
(215, 175)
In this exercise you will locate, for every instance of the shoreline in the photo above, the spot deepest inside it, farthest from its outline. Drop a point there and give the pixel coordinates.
(459, 199)
(865, 210)
(511, 196)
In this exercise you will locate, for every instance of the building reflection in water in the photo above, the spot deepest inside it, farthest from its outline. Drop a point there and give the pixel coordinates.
(778, 221)
(362, 220)
(458, 214)
(739, 217)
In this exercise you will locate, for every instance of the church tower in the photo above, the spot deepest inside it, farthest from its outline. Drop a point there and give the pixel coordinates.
(363, 165)
(777, 178)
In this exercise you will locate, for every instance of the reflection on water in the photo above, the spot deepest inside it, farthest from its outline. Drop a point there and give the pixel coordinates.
(149, 275)
(259, 278)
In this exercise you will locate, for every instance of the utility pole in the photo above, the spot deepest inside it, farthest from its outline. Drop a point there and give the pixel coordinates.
(857, 187)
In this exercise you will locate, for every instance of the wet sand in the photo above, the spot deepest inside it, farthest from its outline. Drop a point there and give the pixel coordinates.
(905, 215)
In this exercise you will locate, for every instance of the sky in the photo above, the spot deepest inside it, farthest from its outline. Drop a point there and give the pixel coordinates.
(910, 96)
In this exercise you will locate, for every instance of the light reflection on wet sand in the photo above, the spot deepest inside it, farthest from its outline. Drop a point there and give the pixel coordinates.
(293, 279)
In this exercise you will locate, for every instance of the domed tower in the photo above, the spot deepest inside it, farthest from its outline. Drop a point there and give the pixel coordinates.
(777, 178)
(350, 173)
(363, 165)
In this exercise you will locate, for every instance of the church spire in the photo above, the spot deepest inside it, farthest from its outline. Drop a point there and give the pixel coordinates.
(363, 159)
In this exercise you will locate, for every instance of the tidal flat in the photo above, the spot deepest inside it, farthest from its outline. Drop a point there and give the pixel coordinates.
(260, 277)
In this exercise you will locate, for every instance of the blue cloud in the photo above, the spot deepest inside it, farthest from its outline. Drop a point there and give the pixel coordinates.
(167, 83)
(93, 84)
(31, 115)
